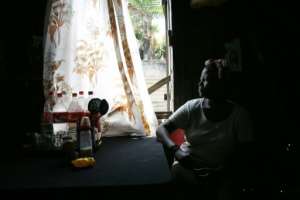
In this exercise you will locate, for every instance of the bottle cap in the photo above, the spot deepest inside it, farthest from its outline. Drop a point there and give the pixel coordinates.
(81, 92)
(74, 94)
(50, 93)
(90, 92)
(59, 94)
(85, 122)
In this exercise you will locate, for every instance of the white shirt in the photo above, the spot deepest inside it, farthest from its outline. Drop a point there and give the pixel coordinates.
(211, 142)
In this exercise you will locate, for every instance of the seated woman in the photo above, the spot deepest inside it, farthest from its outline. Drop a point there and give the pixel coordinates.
(213, 126)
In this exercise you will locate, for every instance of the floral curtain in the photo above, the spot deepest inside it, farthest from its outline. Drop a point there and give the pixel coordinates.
(90, 46)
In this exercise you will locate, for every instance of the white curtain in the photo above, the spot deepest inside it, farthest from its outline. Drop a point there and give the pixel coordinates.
(90, 45)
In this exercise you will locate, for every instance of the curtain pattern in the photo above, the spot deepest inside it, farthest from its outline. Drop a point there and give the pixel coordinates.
(90, 45)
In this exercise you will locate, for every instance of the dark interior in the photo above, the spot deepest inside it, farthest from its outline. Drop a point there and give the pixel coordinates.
(267, 85)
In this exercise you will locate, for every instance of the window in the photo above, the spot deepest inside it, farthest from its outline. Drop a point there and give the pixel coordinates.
(151, 20)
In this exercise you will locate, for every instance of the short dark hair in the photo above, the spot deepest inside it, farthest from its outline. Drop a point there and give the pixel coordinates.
(219, 65)
(223, 71)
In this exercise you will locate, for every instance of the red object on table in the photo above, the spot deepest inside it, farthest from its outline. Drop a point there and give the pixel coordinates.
(177, 136)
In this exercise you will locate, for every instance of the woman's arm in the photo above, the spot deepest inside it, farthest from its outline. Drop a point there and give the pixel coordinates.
(163, 136)
(179, 119)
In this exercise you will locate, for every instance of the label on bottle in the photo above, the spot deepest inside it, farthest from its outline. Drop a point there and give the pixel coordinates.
(74, 116)
(60, 117)
(85, 140)
(72, 131)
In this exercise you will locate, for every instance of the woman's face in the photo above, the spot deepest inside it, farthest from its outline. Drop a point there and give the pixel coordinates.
(210, 86)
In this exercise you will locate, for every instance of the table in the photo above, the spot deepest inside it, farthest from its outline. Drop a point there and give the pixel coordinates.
(120, 162)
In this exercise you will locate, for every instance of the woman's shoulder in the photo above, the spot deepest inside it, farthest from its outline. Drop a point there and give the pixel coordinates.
(194, 103)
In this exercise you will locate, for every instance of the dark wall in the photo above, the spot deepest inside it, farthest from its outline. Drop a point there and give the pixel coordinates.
(268, 83)
(21, 70)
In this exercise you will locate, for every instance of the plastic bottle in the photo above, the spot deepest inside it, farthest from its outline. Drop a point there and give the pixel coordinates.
(67, 98)
(59, 108)
(60, 125)
(85, 139)
(90, 96)
(73, 116)
(81, 100)
(74, 105)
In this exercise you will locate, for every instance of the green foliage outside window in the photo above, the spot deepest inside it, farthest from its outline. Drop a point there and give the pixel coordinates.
(142, 13)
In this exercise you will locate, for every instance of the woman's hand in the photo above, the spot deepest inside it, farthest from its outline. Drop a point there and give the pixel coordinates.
(184, 158)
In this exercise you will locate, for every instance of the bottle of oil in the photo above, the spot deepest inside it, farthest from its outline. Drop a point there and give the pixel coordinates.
(84, 138)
